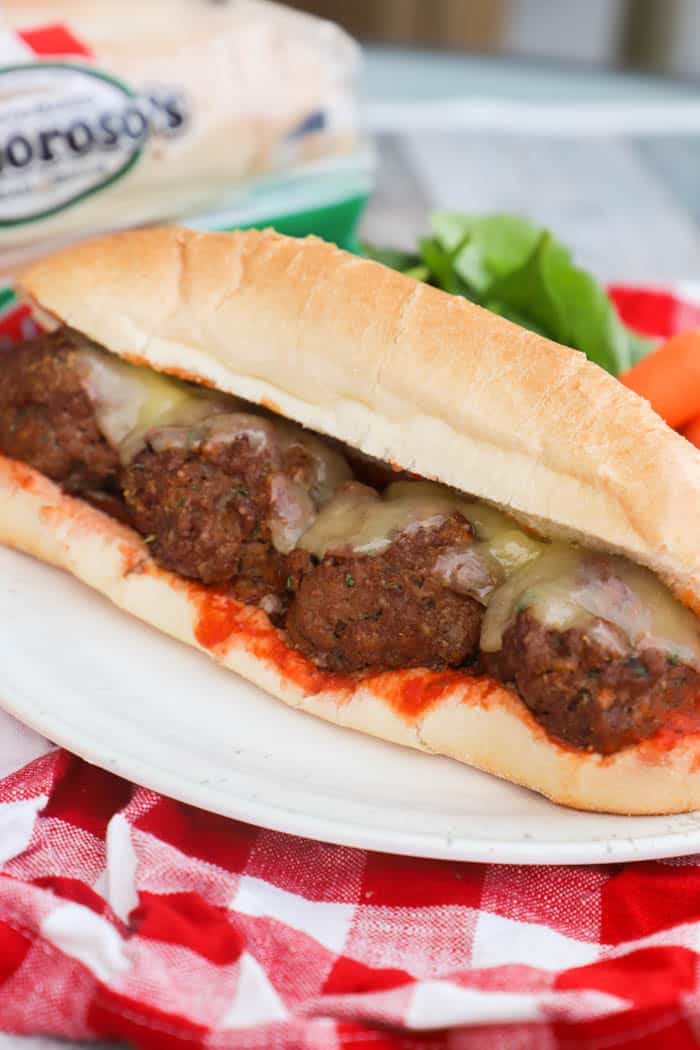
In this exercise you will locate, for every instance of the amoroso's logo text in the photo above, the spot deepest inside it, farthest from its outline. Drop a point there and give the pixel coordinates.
(67, 131)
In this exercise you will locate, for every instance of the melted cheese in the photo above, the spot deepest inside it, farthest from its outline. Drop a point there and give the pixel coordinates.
(213, 428)
(135, 405)
(567, 587)
(330, 469)
(507, 570)
(129, 400)
(360, 521)
(319, 508)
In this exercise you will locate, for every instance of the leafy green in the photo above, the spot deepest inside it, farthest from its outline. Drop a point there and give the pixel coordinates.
(418, 273)
(492, 245)
(391, 257)
(512, 315)
(440, 262)
(520, 271)
(566, 304)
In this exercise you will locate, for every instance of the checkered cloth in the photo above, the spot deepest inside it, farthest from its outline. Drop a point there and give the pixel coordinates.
(126, 915)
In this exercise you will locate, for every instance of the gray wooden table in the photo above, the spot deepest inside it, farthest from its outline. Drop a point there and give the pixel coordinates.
(629, 205)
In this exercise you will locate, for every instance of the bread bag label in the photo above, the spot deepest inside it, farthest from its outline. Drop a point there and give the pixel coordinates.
(68, 131)
(168, 112)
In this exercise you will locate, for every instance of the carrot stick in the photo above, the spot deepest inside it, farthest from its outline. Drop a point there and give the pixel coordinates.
(692, 431)
(670, 378)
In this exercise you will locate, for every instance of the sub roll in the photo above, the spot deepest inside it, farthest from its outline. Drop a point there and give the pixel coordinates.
(380, 503)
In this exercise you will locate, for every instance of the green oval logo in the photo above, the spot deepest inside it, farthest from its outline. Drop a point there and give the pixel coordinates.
(68, 131)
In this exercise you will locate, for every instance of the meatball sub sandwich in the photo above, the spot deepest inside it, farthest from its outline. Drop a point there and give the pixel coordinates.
(381, 504)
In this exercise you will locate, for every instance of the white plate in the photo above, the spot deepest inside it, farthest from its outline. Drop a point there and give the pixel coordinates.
(126, 698)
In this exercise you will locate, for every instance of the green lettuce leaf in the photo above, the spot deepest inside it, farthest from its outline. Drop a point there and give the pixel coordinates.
(491, 245)
(519, 270)
(440, 262)
(566, 304)
(391, 257)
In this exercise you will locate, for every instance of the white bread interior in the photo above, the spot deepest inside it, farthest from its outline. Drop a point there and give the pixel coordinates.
(397, 369)
(476, 721)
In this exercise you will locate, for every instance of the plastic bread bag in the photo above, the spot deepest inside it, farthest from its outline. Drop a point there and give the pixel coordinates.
(116, 113)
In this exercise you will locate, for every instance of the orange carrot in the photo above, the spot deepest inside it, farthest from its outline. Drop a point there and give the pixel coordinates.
(692, 431)
(670, 378)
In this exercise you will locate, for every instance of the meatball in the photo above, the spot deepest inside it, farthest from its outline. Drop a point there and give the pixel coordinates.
(261, 579)
(587, 686)
(198, 507)
(47, 418)
(360, 612)
(223, 499)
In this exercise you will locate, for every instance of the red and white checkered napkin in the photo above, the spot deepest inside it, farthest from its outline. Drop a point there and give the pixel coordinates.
(126, 915)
